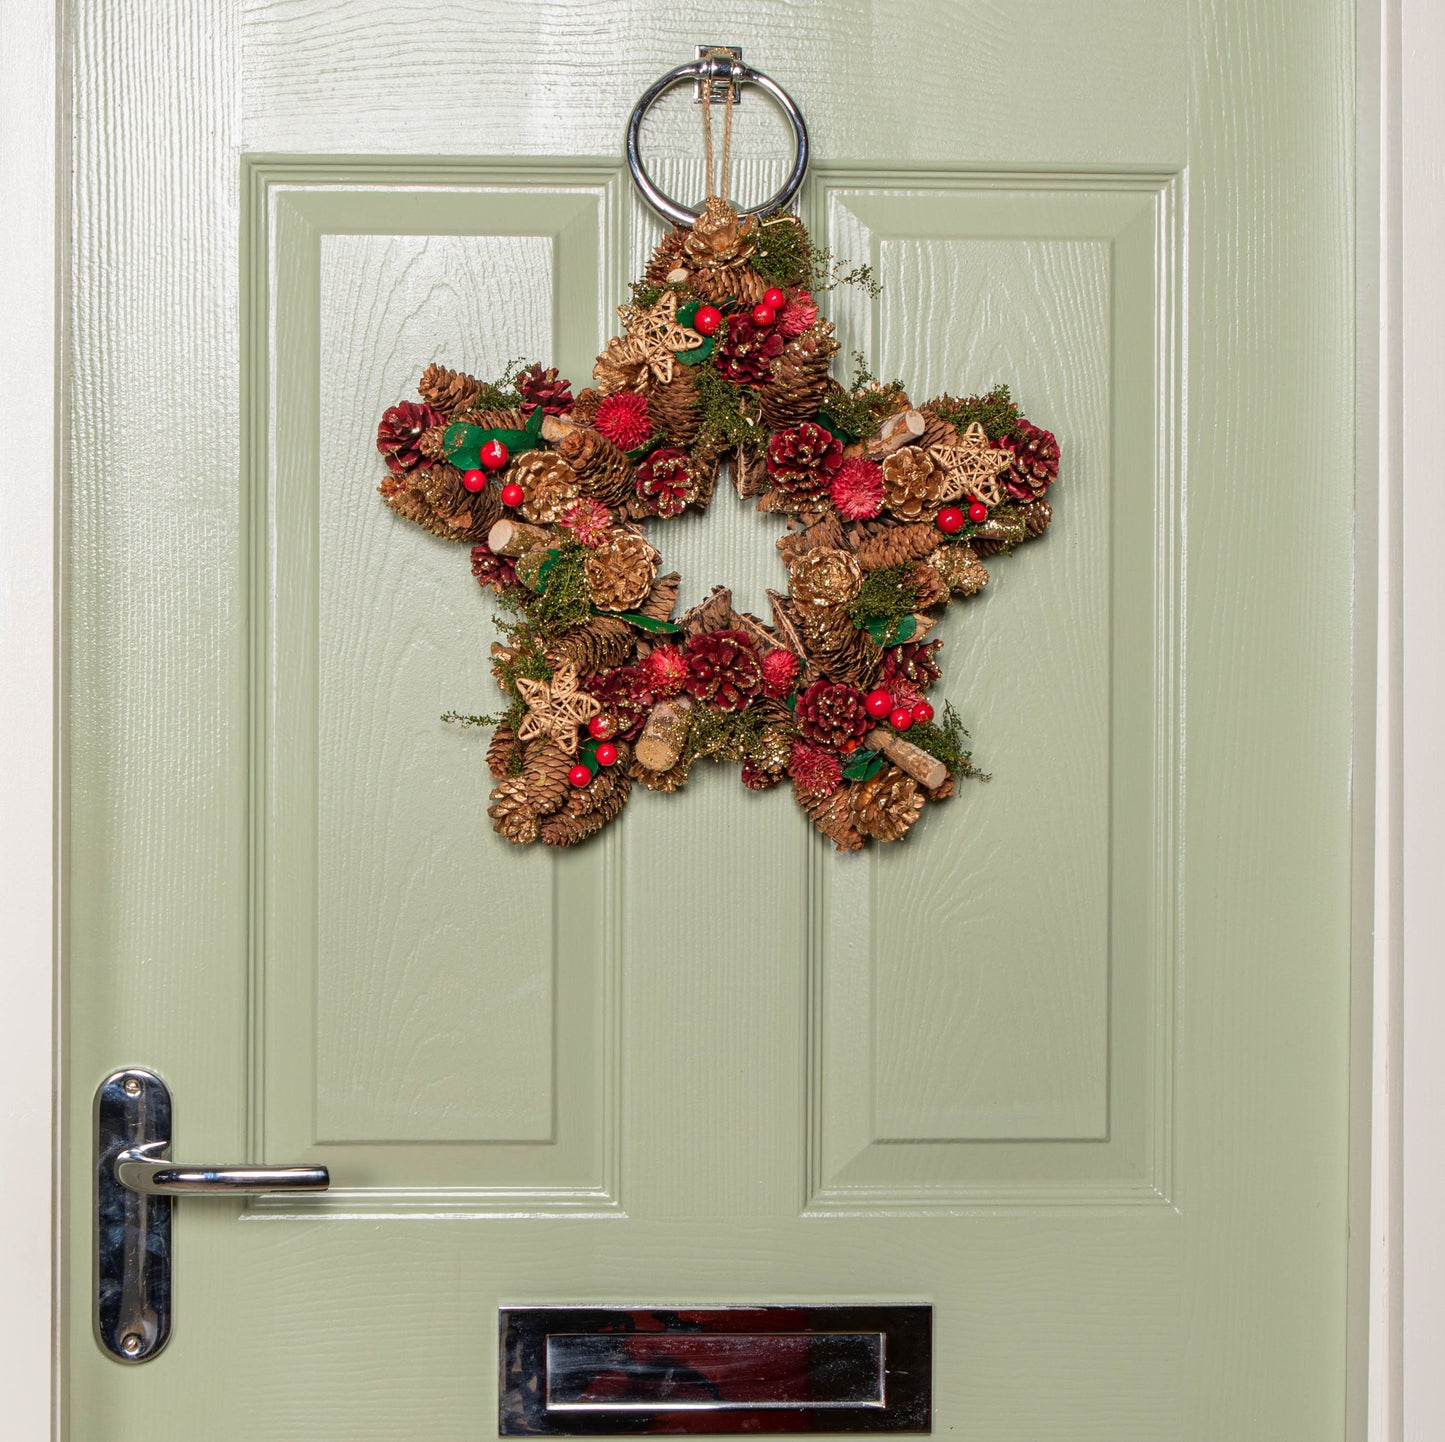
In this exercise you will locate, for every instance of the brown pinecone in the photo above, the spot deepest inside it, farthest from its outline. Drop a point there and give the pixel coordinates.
(932, 589)
(507, 420)
(601, 644)
(433, 442)
(545, 388)
(549, 485)
(832, 815)
(539, 789)
(410, 506)
(893, 545)
(603, 471)
(713, 614)
(797, 539)
(723, 669)
(673, 779)
(398, 436)
(1037, 515)
(674, 406)
(584, 408)
(469, 514)
(668, 255)
(831, 713)
(913, 483)
(662, 598)
(449, 391)
(837, 648)
(504, 753)
(886, 805)
(794, 389)
(589, 808)
(739, 284)
(621, 573)
(1004, 529)
(959, 569)
(936, 430)
(915, 662)
(825, 576)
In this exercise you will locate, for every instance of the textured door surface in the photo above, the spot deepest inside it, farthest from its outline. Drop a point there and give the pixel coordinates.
(1071, 1065)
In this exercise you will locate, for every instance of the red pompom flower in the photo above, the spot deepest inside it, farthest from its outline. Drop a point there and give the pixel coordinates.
(666, 670)
(622, 417)
(780, 673)
(857, 489)
(816, 771)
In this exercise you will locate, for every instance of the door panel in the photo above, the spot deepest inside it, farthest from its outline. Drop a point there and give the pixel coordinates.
(1071, 1067)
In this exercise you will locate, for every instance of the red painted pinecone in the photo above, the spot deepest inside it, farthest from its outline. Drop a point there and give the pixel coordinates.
(493, 570)
(624, 697)
(757, 779)
(545, 388)
(747, 355)
(723, 669)
(1035, 462)
(831, 713)
(802, 461)
(398, 437)
(665, 481)
(914, 662)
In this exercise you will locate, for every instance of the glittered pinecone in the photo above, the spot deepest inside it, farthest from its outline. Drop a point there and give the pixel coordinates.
(833, 816)
(398, 436)
(545, 388)
(915, 662)
(748, 351)
(600, 644)
(831, 713)
(932, 590)
(589, 808)
(674, 406)
(758, 778)
(549, 485)
(801, 461)
(411, 507)
(720, 238)
(603, 471)
(668, 255)
(1004, 529)
(1037, 515)
(886, 805)
(469, 514)
(773, 749)
(621, 573)
(665, 482)
(836, 647)
(959, 569)
(493, 570)
(723, 669)
(673, 779)
(913, 483)
(1035, 465)
(504, 753)
(624, 697)
(884, 545)
(448, 390)
(794, 388)
(538, 789)
(781, 668)
(825, 576)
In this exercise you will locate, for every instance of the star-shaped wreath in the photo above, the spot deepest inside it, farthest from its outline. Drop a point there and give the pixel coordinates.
(891, 511)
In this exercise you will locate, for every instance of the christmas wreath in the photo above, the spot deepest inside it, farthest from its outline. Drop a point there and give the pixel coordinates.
(891, 510)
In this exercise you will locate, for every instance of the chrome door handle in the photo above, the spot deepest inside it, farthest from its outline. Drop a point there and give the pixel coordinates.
(134, 1185)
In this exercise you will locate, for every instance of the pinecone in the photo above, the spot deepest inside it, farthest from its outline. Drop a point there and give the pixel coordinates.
(469, 514)
(504, 753)
(723, 669)
(1004, 529)
(1037, 515)
(802, 461)
(668, 255)
(449, 391)
(492, 570)
(549, 485)
(930, 585)
(756, 778)
(831, 713)
(406, 503)
(1035, 465)
(545, 388)
(832, 815)
(665, 482)
(893, 545)
(720, 239)
(748, 351)
(773, 749)
(936, 430)
(584, 408)
(674, 406)
(793, 391)
(398, 436)
(619, 368)
(662, 598)
(536, 791)
(741, 285)
(603, 471)
(886, 805)
(913, 483)
(589, 808)
(604, 642)
(510, 419)
(915, 662)
(837, 648)
(621, 573)
(825, 533)
(673, 779)
(625, 699)
(825, 577)
(959, 569)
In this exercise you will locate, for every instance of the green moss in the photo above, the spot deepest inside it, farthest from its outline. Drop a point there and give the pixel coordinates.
(726, 413)
(722, 735)
(944, 739)
(995, 412)
(886, 598)
(866, 404)
(565, 602)
(786, 255)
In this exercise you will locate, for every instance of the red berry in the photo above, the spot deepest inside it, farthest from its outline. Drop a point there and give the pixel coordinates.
(474, 480)
(878, 704)
(579, 775)
(607, 754)
(849, 747)
(950, 520)
(513, 495)
(599, 727)
(923, 712)
(901, 719)
(764, 315)
(775, 298)
(707, 319)
(494, 455)
(977, 511)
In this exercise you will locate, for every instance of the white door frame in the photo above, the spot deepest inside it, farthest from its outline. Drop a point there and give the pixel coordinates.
(1400, 1395)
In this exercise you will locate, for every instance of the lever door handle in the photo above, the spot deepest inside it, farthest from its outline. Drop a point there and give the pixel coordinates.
(134, 1185)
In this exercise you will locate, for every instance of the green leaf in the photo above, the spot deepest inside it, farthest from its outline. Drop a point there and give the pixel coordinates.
(834, 429)
(863, 766)
(696, 355)
(545, 568)
(687, 312)
(883, 630)
(462, 443)
(646, 623)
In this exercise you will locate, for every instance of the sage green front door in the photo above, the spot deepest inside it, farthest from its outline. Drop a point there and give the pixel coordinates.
(1070, 1065)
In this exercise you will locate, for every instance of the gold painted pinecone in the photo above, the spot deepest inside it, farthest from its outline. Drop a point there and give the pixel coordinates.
(879, 545)
(620, 368)
(833, 816)
(621, 573)
(674, 406)
(886, 806)
(603, 471)
(1004, 529)
(959, 569)
(932, 589)
(720, 237)
(604, 642)
(794, 390)
(825, 576)
(913, 483)
(549, 485)
(504, 753)
(448, 390)
(1037, 515)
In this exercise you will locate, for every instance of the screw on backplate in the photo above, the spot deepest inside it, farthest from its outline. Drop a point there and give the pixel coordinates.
(132, 1089)
(130, 1344)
